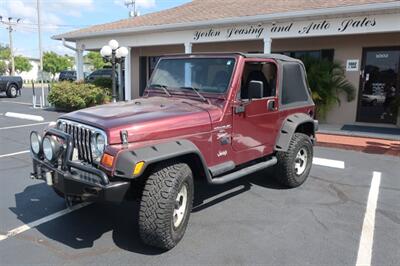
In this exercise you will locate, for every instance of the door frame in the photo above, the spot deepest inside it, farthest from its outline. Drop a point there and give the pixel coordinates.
(361, 78)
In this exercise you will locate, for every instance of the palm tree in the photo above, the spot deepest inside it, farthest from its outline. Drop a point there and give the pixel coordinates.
(327, 81)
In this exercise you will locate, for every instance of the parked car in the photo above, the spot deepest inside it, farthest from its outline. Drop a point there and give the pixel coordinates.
(373, 99)
(11, 85)
(67, 75)
(226, 119)
(100, 73)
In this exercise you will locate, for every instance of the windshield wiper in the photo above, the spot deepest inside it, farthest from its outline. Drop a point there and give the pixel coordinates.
(196, 91)
(163, 87)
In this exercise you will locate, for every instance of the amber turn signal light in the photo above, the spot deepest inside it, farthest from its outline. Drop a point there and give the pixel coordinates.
(138, 168)
(107, 160)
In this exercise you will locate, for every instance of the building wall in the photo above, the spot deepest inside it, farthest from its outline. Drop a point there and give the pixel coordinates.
(345, 47)
(136, 53)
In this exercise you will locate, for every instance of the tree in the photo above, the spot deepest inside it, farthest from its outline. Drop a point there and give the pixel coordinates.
(327, 81)
(5, 52)
(96, 60)
(3, 67)
(54, 63)
(22, 64)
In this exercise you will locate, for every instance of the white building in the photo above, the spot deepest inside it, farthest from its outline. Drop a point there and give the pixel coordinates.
(32, 74)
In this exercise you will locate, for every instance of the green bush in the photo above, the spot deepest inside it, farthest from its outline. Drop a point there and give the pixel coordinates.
(103, 83)
(73, 96)
(327, 81)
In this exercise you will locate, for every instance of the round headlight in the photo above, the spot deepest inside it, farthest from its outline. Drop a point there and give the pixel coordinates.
(48, 149)
(61, 126)
(35, 142)
(100, 143)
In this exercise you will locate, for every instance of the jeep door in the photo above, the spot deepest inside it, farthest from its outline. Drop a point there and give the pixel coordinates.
(255, 120)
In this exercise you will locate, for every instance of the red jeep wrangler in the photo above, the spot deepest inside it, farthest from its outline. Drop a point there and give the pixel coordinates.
(213, 116)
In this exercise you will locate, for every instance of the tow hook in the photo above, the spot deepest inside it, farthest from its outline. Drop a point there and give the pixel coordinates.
(72, 200)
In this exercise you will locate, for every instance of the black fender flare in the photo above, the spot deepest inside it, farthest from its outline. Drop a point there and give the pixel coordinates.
(289, 126)
(127, 159)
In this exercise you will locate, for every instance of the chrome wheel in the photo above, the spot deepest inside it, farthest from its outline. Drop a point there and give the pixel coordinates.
(180, 206)
(300, 163)
(13, 91)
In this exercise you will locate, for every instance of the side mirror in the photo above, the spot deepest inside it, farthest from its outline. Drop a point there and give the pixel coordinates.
(256, 89)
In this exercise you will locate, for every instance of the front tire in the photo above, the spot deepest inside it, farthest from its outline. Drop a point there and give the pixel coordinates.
(166, 205)
(12, 91)
(294, 165)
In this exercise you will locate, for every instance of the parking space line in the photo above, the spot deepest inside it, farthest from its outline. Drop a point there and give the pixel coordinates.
(328, 162)
(14, 153)
(24, 116)
(27, 125)
(23, 103)
(367, 234)
(43, 220)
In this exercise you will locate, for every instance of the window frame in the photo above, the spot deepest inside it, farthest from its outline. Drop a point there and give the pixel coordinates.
(277, 83)
(307, 101)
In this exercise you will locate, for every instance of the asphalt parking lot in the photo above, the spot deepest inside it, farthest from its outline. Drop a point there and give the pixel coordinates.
(327, 221)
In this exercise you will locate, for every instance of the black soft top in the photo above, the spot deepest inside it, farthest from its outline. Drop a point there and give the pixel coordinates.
(278, 57)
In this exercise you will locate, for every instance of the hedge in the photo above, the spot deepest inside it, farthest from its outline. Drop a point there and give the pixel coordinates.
(71, 96)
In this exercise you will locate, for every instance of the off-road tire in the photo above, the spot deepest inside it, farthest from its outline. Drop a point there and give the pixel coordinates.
(156, 221)
(12, 91)
(285, 171)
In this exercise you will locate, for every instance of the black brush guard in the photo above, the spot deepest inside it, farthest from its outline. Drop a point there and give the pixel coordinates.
(76, 181)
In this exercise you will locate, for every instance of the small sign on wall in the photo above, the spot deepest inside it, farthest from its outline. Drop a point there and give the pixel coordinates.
(352, 65)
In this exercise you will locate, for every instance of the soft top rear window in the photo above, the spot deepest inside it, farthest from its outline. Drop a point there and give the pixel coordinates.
(293, 85)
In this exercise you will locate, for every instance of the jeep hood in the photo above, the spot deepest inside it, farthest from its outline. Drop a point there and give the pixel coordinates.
(147, 118)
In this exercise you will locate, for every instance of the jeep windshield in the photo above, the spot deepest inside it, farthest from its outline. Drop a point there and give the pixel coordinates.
(209, 75)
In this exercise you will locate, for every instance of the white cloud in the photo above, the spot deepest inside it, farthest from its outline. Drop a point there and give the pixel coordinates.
(50, 10)
(28, 13)
(139, 3)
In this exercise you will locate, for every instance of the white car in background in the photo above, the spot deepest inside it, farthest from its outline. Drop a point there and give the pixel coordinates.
(373, 99)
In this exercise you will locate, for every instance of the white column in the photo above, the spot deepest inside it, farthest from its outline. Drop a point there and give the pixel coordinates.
(267, 45)
(79, 64)
(188, 47)
(188, 70)
(128, 83)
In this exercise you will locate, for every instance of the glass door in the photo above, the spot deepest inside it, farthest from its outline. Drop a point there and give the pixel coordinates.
(379, 85)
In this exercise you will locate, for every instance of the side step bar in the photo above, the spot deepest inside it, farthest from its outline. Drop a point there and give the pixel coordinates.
(242, 172)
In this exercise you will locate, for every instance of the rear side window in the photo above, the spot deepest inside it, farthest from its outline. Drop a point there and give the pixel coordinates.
(293, 85)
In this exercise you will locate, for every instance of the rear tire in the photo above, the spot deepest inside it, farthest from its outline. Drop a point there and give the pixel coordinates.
(166, 205)
(294, 165)
(12, 91)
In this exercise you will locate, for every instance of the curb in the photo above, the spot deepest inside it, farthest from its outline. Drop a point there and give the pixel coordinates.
(367, 145)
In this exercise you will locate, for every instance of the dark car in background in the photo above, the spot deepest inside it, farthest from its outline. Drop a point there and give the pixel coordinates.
(100, 73)
(67, 75)
(10, 85)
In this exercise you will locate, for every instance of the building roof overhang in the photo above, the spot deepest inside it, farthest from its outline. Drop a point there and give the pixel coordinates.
(373, 8)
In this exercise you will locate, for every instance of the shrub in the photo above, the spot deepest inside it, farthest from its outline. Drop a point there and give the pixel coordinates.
(103, 83)
(73, 96)
(327, 81)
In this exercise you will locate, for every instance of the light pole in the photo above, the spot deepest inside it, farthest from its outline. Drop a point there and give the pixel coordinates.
(11, 23)
(113, 54)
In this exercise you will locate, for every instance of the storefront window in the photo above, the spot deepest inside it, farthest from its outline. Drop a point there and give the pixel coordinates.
(317, 54)
(153, 60)
(379, 86)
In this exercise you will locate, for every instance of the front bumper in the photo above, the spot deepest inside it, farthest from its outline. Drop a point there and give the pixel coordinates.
(77, 181)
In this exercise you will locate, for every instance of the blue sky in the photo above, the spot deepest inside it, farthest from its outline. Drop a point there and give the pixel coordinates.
(60, 16)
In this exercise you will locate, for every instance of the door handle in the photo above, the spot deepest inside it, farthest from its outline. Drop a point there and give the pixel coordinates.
(271, 105)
